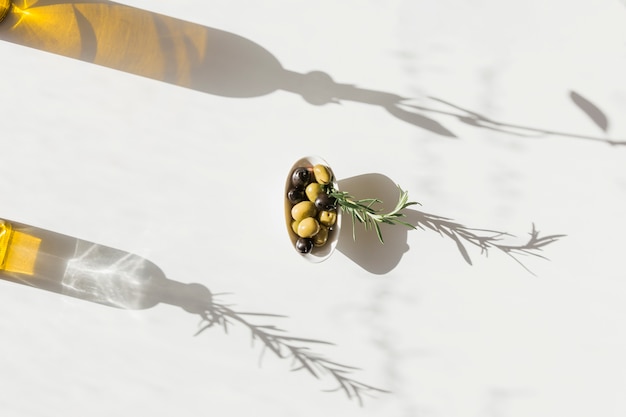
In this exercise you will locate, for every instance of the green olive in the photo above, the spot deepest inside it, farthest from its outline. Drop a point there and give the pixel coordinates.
(313, 190)
(322, 174)
(327, 218)
(308, 227)
(303, 209)
(294, 226)
(321, 237)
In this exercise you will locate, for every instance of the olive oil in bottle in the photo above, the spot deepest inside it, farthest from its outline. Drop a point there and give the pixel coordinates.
(5, 6)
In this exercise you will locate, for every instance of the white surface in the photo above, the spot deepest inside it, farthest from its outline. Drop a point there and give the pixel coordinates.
(193, 182)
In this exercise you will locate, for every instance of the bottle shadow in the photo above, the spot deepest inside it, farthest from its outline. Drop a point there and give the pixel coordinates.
(217, 62)
(92, 272)
(363, 247)
(182, 53)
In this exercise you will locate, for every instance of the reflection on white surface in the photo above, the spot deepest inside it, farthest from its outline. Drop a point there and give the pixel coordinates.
(107, 276)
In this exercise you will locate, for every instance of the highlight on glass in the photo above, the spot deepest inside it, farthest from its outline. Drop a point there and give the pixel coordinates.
(5, 6)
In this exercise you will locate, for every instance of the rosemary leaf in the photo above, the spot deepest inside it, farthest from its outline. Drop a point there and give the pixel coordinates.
(364, 212)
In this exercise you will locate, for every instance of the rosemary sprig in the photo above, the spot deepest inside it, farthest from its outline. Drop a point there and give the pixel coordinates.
(364, 212)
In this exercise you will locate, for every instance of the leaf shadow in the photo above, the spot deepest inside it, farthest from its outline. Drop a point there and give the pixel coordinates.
(590, 109)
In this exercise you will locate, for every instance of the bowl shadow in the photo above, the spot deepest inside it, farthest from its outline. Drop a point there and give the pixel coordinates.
(362, 246)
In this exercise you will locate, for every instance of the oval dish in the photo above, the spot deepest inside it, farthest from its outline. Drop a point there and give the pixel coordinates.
(318, 253)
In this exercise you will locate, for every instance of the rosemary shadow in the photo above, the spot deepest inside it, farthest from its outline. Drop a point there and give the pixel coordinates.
(364, 248)
(74, 267)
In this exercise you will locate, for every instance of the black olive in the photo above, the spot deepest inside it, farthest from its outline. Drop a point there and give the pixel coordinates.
(325, 202)
(304, 245)
(300, 177)
(295, 195)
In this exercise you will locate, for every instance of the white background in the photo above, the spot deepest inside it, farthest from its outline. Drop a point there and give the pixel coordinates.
(193, 181)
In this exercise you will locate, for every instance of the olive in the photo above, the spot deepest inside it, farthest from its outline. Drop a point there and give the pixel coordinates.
(321, 237)
(304, 245)
(294, 226)
(300, 177)
(303, 210)
(308, 227)
(327, 217)
(325, 202)
(322, 174)
(295, 195)
(313, 190)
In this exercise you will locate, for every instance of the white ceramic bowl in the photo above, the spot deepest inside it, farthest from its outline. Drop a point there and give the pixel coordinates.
(318, 253)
